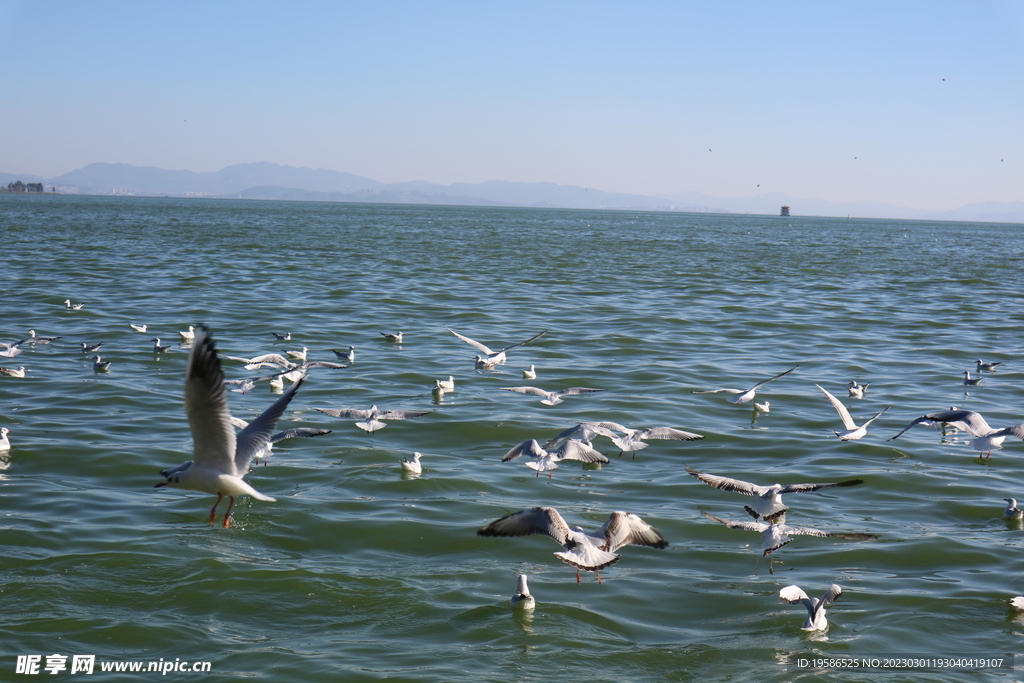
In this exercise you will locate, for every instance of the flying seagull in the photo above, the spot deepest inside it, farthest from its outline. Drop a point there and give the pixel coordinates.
(744, 396)
(492, 358)
(546, 459)
(816, 620)
(768, 499)
(220, 459)
(589, 552)
(853, 432)
(370, 420)
(987, 438)
(551, 398)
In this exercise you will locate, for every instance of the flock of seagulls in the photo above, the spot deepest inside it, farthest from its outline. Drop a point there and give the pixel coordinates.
(222, 458)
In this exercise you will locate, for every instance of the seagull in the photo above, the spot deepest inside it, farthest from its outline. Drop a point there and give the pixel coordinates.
(853, 432)
(5, 443)
(287, 336)
(295, 432)
(33, 339)
(777, 535)
(744, 396)
(12, 372)
(448, 384)
(371, 419)
(769, 498)
(546, 460)
(987, 438)
(347, 356)
(987, 367)
(11, 350)
(531, 373)
(589, 552)
(633, 439)
(857, 390)
(969, 381)
(583, 431)
(551, 398)
(492, 358)
(397, 338)
(1018, 602)
(188, 335)
(762, 407)
(90, 348)
(137, 328)
(816, 620)
(522, 599)
(73, 307)
(437, 391)
(157, 348)
(1012, 511)
(100, 365)
(220, 459)
(413, 466)
(298, 355)
(268, 359)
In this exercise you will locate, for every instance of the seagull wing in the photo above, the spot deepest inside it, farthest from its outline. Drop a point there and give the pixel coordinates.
(746, 526)
(844, 414)
(298, 432)
(624, 528)
(793, 595)
(526, 390)
(238, 422)
(876, 416)
(920, 420)
(719, 391)
(538, 520)
(206, 405)
(573, 391)
(772, 379)
(253, 440)
(522, 343)
(322, 364)
(475, 344)
(666, 433)
(802, 531)
(804, 488)
(1015, 430)
(529, 447)
(577, 450)
(401, 414)
(352, 413)
(743, 487)
(831, 595)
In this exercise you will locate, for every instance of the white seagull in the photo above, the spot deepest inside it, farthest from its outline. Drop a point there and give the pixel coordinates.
(138, 328)
(397, 338)
(589, 552)
(100, 365)
(370, 420)
(413, 465)
(287, 336)
(987, 367)
(969, 381)
(987, 438)
(816, 620)
(157, 347)
(295, 432)
(1012, 511)
(90, 348)
(73, 307)
(298, 355)
(220, 459)
(447, 384)
(852, 432)
(747, 395)
(768, 503)
(35, 339)
(551, 398)
(12, 372)
(530, 373)
(5, 443)
(188, 335)
(492, 358)
(347, 356)
(274, 360)
(633, 440)
(857, 390)
(546, 460)
(1018, 602)
(522, 599)
(10, 350)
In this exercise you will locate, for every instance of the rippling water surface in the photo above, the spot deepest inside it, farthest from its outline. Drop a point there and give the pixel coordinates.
(358, 573)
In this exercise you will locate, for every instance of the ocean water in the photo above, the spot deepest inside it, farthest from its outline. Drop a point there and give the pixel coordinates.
(358, 573)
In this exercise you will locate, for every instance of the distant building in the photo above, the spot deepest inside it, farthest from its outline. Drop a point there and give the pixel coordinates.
(785, 211)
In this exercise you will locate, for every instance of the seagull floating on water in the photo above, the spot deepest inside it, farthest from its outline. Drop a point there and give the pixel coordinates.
(589, 552)
(1012, 511)
(138, 328)
(347, 356)
(1018, 602)
(397, 338)
(14, 372)
(551, 398)
(748, 395)
(768, 503)
(90, 348)
(857, 390)
(522, 599)
(447, 384)
(969, 381)
(545, 460)
(5, 443)
(100, 365)
(188, 335)
(157, 347)
(33, 338)
(413, 465)
(10, 350)
(492, 358)
(287, 336)
(987, 438)
(370, 420)
(987, 367)
(299, 355)
(530, 373)
(816, 620)
(73, 307)
(220, 459)
(853, 432)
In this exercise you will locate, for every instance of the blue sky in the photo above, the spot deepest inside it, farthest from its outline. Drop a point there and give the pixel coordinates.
(919, 104)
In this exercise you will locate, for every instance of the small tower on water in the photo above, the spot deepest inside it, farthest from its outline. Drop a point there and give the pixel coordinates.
(785, 211)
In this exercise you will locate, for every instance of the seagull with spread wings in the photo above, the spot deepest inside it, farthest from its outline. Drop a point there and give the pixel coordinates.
(370, 420)
(742, 396)
(987, 439)
(492, 358)
(816, 620)
(853, 432)
(545, 460)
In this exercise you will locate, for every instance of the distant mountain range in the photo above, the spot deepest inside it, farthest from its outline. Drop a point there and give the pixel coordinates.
(273, 181)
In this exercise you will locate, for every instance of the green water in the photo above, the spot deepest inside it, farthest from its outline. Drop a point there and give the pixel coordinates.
(357, 573)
